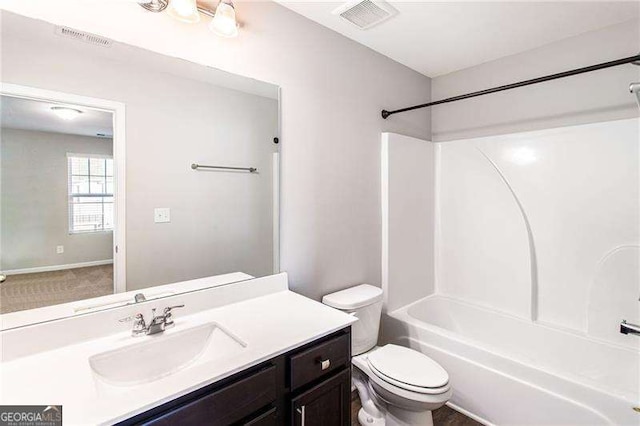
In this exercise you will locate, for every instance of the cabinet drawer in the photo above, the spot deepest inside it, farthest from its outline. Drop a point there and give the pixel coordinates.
(266, 419)
(227, 405)
(319, 360)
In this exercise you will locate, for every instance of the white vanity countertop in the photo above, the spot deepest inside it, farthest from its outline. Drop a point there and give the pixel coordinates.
(269, 325)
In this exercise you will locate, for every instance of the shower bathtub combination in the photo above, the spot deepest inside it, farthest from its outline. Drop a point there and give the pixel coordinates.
(514, 265)
(508, 371)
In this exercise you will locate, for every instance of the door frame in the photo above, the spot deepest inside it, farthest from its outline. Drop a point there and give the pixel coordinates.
(118, 111)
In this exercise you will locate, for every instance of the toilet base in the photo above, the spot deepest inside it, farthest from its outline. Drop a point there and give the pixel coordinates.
(376, 412)
(402, 418)
(366, 419)
(399, 417)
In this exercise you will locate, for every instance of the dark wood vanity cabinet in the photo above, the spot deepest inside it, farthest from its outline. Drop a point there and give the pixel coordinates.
(324, 404)
(307, 386)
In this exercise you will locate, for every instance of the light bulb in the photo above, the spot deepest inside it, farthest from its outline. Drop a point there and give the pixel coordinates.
(66, 113)
(224, 21)
(184, 10)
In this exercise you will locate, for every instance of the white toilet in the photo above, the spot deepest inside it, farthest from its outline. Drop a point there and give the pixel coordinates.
(397, 385)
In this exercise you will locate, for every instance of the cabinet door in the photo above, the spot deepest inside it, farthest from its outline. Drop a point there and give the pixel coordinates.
(224, 406)
(326, 404)
(266, 419)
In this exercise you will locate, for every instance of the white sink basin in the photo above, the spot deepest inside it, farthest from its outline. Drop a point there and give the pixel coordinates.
(159, 355)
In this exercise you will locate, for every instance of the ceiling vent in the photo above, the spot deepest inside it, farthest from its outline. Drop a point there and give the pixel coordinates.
(83, 36)
(366, 13)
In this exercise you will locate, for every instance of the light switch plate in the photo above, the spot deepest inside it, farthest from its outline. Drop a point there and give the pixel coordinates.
(162, 215)
(59, 249)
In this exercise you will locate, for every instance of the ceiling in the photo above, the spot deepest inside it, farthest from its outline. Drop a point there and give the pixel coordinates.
(29, 114)
(437, 38)
(29, 30)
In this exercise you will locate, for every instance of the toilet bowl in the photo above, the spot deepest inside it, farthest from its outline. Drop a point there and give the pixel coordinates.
(397, 386)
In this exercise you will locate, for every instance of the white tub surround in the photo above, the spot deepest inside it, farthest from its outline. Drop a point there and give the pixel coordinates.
(408, 198)
(535, 263)
(261, 316)
(506, 370)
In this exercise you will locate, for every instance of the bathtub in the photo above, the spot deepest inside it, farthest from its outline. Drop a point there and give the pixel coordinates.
(508, 371)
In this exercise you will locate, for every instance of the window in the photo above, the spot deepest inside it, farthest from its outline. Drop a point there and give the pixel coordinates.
(90, 193)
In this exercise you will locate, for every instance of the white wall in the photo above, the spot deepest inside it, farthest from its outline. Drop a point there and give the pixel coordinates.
(35, 201)
(408, 207)
(588, 98)
(332, 92)
(221, 222)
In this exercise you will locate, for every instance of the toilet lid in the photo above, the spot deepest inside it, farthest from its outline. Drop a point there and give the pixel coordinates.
(404, 365)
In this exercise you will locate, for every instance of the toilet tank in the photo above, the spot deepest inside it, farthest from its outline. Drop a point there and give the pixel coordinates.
(365, 302)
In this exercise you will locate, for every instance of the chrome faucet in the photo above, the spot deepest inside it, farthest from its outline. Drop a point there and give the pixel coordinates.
(628, 328)
(158, 324)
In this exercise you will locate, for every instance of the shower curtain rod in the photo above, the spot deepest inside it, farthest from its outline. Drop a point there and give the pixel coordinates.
(631, 59)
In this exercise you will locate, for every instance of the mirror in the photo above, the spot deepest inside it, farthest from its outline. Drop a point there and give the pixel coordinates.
(127, 175)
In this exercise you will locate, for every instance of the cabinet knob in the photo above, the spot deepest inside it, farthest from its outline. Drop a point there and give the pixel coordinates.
(325, 364)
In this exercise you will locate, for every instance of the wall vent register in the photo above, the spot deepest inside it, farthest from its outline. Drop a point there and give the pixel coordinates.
(83, 36)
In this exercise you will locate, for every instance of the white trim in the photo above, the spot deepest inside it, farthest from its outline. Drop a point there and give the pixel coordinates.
(119, 113)
(103, 156)
(57, 267)
(384, 212)
(277, 267)
(276, 212)
(437, 214)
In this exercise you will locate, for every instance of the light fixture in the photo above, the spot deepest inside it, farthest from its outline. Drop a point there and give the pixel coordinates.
(224, 21)
(184, 10)
(154, 5)
(66, 113)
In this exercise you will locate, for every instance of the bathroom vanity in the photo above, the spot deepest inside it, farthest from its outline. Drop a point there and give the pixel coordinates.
(310, 385)
(250, 352)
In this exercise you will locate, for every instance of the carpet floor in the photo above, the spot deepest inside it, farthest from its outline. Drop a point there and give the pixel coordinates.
(28, 291)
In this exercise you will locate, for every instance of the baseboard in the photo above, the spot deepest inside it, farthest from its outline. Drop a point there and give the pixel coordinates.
(57, 267)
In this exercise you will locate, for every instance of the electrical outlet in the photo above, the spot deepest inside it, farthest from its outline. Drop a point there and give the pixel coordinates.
(162, 215)
(59, 249)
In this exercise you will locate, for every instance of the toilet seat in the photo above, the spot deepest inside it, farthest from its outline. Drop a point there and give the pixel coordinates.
(408, 369)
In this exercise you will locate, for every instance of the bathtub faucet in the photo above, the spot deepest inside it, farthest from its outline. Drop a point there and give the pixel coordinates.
(627, 328)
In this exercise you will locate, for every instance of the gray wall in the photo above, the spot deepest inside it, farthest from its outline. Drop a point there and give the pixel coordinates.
(332, 92)
(34, 200)
(592, 97)
(220, 221)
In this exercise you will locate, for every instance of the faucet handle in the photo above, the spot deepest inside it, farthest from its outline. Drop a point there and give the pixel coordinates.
(168, 316)
(139, 326)
(169, 308)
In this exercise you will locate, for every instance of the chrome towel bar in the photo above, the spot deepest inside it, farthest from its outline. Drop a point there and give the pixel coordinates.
(196, 166)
